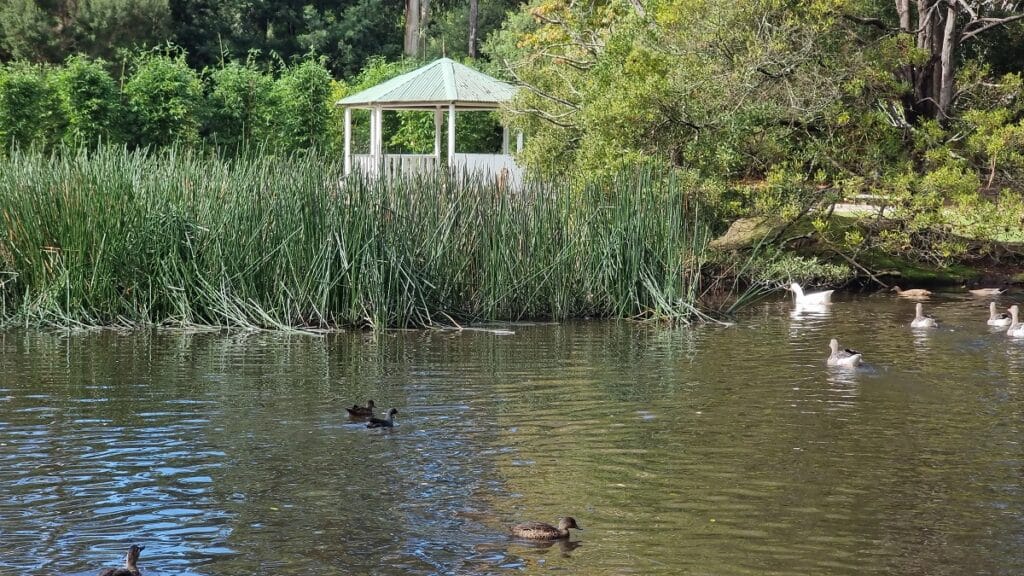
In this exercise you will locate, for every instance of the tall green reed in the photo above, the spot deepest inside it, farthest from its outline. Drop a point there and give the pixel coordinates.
(114, 237)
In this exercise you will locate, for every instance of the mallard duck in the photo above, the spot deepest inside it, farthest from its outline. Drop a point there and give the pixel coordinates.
(542, 531)
(812, 298)
(987, 291)
(843, 357)
(1001, 319)
(130, 568)
(921, 320)
(381, 423)
(912, 293)
(357, 411)
(1016, 329)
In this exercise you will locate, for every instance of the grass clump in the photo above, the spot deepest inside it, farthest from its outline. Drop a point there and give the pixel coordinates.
(115, 237)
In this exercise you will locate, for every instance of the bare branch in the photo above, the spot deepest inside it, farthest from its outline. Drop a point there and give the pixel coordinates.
(990, 23)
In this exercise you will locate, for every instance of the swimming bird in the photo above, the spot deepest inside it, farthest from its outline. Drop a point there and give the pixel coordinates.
(812, 298)
(542, 531)
(1002, 319)
(1016, 329)
(357, 411)
(987, 291)
(912, 293)
(130, 559)
(921, 320)
(842, 357)
(381, 423)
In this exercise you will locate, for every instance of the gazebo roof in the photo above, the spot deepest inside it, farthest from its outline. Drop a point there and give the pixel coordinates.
(442, 82)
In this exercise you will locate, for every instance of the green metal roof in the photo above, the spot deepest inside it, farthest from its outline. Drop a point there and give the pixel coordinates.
(443, 81)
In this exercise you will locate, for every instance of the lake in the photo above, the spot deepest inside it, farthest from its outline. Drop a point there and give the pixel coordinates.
(702, 450)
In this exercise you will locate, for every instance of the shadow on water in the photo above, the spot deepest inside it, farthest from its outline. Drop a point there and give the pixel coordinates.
(707, 451)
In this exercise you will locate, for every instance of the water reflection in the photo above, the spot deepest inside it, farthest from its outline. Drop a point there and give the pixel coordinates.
(711, 450)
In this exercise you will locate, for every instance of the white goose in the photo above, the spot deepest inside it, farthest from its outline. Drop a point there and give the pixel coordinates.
(1016, 329)
(922, 321)
(1002, 319)
(842, 357)
(813, 299)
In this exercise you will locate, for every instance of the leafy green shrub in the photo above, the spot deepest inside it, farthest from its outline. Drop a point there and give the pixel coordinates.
(90, 101)
(164, 98)
(776, 267)
(300, 106)
(240, 103)
(30, 114)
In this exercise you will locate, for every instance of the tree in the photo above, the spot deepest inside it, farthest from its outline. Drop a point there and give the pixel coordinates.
(939, 30)
(164, 98)
(90, 102)
(474, 9)
(30, 114)
(52, 30)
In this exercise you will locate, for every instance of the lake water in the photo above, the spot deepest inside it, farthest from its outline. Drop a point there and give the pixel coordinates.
(709, 450)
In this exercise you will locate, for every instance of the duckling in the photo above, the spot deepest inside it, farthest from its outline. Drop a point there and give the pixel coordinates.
(542, 531)
(912, 293)
(357, 411)
(381, 423)
(921, 320)
(844, 357)
(1002, 319)
(1016, 329)
(812, 298)
(130, 568)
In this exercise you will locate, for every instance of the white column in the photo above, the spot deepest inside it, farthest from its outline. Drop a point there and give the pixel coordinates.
(438, 117)
(378, 147)
(504, 139)
(451, 135)
(348, 141)
(373, 133)
(519, 142)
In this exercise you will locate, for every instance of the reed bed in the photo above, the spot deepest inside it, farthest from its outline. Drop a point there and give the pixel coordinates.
(117, 237)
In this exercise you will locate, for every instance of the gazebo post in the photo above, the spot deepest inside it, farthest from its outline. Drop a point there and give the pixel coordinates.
(451, 136)
(519, 142)
(438, 114)
(378, 144)
(504, 139)
(348, 141)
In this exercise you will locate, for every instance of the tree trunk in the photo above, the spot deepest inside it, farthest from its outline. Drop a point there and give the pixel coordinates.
(473, 13)
(412, 28)
(946, 83)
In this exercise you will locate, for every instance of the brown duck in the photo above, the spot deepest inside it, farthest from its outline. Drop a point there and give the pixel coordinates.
(382, 423)
(130, 567)
(357, 411)
(542, 531)
(912, 293)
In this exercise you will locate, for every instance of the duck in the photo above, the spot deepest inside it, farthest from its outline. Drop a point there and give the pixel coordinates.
(813, 298)
(130, 567)
(357, 411)
(842, 357)
(987, 291)
(543, 531)
(1016, 329)
(1002, 319)
(921, 320)
(912, 293)
(382, 423)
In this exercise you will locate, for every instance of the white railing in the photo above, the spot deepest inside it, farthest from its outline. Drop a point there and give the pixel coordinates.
(500, 167)
(395, 164)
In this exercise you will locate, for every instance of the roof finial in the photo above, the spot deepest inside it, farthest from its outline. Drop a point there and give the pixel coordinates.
(444, 54)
